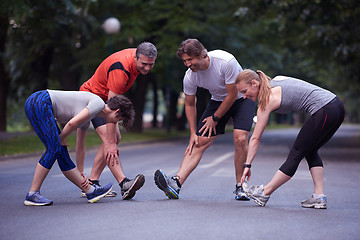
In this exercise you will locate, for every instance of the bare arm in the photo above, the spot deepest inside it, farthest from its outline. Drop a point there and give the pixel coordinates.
(80, 118)
(210, 124)
(190, 111)
(262, 120)
(80, 149)
(228, 101)
(111, 150)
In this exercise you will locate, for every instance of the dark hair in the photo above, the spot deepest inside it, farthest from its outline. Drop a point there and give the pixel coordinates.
(191, 47)
(126, 109)
(147, 49)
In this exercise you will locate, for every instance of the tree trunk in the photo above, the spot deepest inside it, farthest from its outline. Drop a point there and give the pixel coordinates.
(137, 97)
(155, 103)
(4, 76)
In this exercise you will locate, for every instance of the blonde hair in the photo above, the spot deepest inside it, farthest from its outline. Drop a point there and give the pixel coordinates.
(264, 87)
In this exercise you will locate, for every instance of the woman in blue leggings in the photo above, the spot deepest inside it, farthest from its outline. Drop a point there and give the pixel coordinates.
(72, 109)
(285, 94)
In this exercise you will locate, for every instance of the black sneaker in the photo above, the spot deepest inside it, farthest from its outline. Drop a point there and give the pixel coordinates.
(129, 187)
(240, 194)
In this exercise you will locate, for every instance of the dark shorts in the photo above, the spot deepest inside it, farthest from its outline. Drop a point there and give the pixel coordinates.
(98, 121)
(242, 112)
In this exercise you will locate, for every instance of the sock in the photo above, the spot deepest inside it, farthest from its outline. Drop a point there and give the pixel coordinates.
(31, 193)
(91, 189)
(124, 181)
(317, 195)
(177, 181)
(96, 182)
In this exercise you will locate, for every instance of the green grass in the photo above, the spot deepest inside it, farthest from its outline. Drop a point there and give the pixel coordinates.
(32, 144)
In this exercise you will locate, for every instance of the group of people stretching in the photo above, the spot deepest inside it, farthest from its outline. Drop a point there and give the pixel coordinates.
(234, 92)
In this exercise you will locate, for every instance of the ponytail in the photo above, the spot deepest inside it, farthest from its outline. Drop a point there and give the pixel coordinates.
(265, 89)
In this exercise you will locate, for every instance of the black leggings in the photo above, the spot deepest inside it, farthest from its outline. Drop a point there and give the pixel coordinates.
(317, 130)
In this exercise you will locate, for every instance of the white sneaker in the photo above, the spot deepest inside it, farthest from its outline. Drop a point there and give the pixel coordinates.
(256, 193)
(315, 202)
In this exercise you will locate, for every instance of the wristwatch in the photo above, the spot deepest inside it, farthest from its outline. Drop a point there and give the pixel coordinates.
(215, 118)
(247, 165)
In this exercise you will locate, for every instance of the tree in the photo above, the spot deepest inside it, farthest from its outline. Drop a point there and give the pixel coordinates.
(4, 76)
(317, 40)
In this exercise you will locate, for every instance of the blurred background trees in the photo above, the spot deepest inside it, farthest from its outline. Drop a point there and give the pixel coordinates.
(59, 44)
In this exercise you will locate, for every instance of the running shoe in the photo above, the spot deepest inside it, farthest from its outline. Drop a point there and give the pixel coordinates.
(36, 199)
(170, 186)
(315, 202)
(240, 194)
(97, 183)
(98, 193)
(129, 187)
(256, 193)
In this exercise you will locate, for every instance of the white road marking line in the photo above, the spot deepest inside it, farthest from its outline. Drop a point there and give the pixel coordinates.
(217, 161)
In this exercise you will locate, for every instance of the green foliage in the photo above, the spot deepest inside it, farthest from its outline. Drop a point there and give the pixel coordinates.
(59, 44)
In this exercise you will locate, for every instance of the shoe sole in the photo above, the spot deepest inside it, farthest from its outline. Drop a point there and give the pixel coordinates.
(29, 203)
(110, 194)
(256, 200)
(95, 199)
(242, 198)
(138, 183)
(161, 183)
(316, 206)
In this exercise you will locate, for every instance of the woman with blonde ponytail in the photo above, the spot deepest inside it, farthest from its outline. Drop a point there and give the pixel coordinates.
(283, 95)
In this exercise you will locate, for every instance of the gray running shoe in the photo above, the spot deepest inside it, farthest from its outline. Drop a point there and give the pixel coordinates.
(240, 194)
(129, 187)
(256, 193)
(313, 202)
(170, 186)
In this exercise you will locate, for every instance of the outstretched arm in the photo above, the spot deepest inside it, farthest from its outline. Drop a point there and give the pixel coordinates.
(190, 111)
(111, 151)
(262, 119)
(210, 124)
(80, 149)
(76, 121)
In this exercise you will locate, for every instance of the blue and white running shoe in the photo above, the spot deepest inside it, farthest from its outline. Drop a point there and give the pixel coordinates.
(36, 199)
(98, 193)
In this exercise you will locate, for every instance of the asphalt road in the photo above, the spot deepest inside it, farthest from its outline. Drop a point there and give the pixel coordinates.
(206, 208)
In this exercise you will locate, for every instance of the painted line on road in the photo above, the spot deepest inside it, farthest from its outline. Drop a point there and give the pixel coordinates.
(218, 160)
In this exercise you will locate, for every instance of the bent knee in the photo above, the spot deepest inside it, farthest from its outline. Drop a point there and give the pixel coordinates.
(205, 142)
(241, 140)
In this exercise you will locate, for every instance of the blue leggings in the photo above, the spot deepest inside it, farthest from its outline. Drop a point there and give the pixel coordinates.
(317, 131)
(38, 109)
